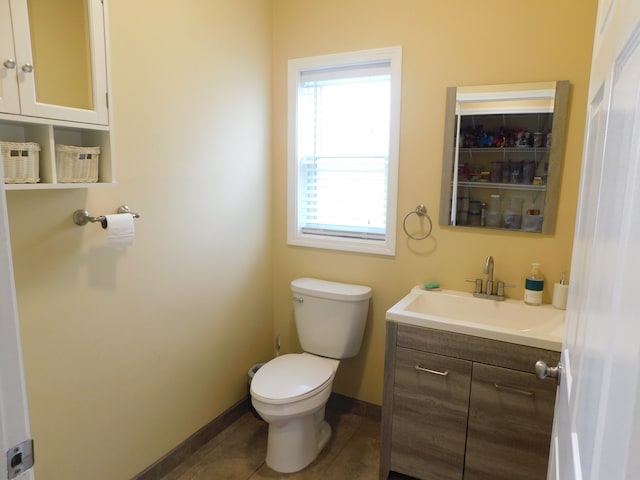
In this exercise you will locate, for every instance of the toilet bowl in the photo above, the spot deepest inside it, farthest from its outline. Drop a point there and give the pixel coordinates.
(291, 391)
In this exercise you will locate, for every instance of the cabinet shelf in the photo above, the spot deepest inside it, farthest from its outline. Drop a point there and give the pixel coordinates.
(48, 135)
(505, 150)
(55, 186)
(504, 186)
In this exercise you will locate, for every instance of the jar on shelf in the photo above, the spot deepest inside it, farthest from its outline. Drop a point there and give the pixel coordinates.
(538, 138)
(496, 172)
(494, 203)
(475, 212)
(463, 172)
(528, 171)
(515, 172)
(506, 171)
(513, 213)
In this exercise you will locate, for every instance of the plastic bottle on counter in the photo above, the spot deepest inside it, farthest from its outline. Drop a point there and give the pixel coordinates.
(534, 286)
(560, 293)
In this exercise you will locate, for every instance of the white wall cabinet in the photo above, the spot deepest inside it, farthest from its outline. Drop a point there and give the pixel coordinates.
(54, 82)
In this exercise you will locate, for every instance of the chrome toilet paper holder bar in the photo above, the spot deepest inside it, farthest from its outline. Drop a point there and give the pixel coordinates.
(82, 217)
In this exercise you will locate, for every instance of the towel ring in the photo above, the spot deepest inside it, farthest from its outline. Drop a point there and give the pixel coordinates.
(420, 211)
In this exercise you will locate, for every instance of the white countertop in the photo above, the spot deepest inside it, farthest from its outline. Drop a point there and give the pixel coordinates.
(509, 320)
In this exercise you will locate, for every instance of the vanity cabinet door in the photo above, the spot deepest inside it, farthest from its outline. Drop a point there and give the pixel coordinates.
(510, 420)
(430, 407)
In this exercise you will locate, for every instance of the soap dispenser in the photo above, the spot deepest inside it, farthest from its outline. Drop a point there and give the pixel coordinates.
(534, 286)
(560, 293)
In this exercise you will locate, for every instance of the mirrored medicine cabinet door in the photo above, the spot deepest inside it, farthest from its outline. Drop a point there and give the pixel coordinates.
(503, 149)
(60, 59)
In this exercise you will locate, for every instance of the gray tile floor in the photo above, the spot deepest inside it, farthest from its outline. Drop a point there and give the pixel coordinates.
(238, 452)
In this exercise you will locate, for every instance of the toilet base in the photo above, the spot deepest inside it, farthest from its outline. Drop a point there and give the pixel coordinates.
(294, 444)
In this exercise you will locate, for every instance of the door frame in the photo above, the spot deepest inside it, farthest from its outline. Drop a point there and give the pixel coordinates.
(14, 413)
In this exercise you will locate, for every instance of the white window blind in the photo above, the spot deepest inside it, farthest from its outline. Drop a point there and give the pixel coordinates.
(343, 150)
(344, 130)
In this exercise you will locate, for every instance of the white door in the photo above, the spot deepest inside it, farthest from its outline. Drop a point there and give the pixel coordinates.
(596, 432)
(14, 419)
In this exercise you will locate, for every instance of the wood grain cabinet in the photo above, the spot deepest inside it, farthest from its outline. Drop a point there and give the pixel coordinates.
(462, 407)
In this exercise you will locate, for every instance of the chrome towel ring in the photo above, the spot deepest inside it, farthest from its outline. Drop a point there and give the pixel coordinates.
(420, 211)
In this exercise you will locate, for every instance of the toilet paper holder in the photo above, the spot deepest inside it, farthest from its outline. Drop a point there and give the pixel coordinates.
(82, 217)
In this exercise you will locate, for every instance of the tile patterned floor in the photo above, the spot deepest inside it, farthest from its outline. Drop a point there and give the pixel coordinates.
(238, 452)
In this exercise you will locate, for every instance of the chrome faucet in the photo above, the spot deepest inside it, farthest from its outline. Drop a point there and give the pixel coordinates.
(488, 269)
(488, 291)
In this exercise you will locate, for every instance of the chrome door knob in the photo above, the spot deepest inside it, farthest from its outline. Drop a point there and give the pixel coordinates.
(9, 63)
(27, 68)
(543, 370)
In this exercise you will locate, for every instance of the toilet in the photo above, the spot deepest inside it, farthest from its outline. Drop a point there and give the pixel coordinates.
(291, 391)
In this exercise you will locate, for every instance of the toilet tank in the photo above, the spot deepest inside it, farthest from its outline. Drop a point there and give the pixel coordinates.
(330, 317)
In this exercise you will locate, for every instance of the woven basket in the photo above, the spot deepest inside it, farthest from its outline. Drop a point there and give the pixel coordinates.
(21, 162)
(77, 164)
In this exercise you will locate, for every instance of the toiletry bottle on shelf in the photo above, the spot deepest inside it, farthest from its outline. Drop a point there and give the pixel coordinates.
(533, 286)
(560, 293)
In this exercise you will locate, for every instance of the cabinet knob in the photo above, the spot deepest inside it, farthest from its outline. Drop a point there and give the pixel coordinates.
(27, 68)
(543, 370)
(9, 63)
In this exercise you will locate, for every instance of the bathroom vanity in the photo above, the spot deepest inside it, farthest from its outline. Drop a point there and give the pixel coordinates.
(459, 405)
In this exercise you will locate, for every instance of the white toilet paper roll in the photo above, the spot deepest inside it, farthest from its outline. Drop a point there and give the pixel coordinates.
(120, 229)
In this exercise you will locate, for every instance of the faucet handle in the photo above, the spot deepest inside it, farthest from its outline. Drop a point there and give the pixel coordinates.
(501, 285)
(478, 282)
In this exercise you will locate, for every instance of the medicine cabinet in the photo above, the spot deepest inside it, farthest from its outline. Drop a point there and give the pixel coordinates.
(503, 150)
(54, 82)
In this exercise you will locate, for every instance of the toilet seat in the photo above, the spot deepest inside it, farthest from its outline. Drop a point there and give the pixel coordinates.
(292, 377)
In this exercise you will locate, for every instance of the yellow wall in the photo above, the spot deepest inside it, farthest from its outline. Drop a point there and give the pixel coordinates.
(444, 44)
(128, 353)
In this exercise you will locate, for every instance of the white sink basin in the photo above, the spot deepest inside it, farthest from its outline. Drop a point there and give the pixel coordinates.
(509, 320)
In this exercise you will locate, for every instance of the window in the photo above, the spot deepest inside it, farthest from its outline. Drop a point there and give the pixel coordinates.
(344, 117)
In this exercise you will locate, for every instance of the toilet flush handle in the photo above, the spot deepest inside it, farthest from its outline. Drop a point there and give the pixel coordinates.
(298, 299)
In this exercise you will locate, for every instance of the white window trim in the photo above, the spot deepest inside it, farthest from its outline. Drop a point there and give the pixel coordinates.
(294, 234)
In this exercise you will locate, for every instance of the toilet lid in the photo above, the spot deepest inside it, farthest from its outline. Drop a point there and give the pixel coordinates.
(292, 377)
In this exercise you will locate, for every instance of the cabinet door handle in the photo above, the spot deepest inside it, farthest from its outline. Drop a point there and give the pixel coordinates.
(528, 393)
(435, 372)
(27, 68)
(9, 63)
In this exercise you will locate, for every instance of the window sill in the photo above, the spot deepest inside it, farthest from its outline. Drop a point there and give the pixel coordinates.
(357, 245)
